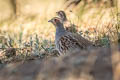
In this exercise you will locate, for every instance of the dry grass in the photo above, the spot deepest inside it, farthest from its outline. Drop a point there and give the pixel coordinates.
(98, 24)
(32, 34)
(31, 37)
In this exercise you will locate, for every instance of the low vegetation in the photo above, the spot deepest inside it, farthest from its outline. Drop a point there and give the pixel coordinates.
(30, 37)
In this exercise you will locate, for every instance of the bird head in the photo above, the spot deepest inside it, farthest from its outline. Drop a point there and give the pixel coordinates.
(62, 15)
(56, 21)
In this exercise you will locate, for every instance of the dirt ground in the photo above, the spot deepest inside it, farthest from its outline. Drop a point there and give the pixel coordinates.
(94, 64)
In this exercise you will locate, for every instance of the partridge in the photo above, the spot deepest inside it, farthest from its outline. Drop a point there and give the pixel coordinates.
(65, 41)
(68, 25)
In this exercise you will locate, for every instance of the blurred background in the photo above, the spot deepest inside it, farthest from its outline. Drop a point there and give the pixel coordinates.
(21, 19)
(25, 34)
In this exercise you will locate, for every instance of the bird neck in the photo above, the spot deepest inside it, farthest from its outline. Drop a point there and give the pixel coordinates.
(60, 29)
(64, 19)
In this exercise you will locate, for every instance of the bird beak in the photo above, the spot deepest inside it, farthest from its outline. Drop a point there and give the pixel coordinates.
(50, 21)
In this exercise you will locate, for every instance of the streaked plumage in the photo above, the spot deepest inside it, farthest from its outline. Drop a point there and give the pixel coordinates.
(65, 41)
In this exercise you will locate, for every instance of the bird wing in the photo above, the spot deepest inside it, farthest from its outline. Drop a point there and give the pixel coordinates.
(72, 41)
(81, 40)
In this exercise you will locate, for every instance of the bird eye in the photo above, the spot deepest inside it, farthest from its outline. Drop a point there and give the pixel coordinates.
(56, 20)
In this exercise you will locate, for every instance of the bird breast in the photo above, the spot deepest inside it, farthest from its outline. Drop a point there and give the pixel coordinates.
(66, 43)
